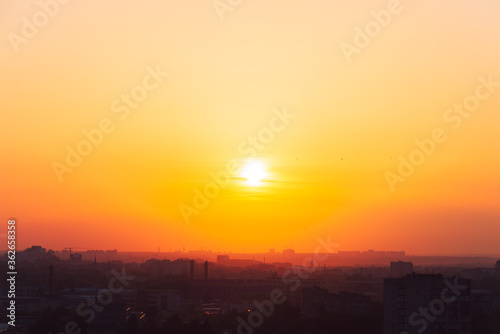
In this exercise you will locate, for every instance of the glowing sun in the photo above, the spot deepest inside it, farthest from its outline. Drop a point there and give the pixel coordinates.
(254, 172)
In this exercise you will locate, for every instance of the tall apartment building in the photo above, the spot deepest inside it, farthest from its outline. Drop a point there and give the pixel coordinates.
(428, 304)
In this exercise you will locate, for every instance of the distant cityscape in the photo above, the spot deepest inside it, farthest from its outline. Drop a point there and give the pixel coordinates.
(368, 257)
(106, 291)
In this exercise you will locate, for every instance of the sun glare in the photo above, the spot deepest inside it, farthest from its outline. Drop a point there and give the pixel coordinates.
(254, 172)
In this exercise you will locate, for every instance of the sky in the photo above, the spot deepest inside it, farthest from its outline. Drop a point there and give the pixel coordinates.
(327, 99)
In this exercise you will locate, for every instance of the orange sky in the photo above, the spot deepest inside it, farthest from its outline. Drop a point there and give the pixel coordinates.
(326, 168)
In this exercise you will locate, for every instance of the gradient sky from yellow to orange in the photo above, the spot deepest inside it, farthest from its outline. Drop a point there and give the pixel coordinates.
(326, 169)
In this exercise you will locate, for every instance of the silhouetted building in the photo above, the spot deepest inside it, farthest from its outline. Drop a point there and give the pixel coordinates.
(164, 300)
(476, 273)
(234, 289)
(316, 300)
(401, 268)
(32, 254)
(75, 258)
(110, 320)
(486, 301)
(427, 304)
(163, 268)
(288, 252)
(222, 259)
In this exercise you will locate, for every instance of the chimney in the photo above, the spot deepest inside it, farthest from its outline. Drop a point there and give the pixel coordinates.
(206, 269)
(191, 273)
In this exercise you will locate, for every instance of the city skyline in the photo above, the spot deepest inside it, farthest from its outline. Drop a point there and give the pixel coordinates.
(369, 256)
